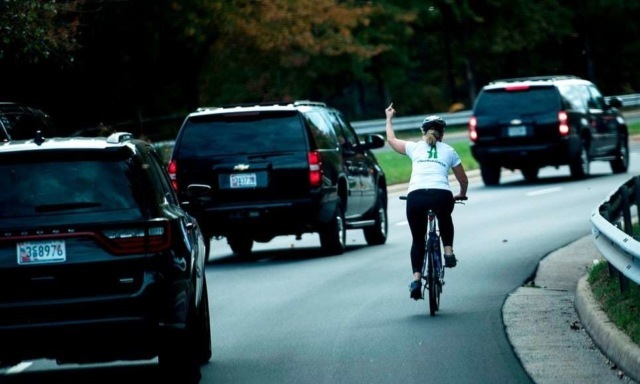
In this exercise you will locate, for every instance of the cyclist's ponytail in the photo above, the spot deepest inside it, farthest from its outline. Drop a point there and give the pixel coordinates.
(431, 137)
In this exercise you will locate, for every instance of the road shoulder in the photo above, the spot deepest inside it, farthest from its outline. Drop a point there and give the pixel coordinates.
(545, 329)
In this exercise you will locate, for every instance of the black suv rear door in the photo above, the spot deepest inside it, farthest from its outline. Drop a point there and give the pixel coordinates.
(602, 120)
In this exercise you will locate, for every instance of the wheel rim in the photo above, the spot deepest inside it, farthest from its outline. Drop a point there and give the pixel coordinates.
(584, 161)
(341, 231)
(383, 221)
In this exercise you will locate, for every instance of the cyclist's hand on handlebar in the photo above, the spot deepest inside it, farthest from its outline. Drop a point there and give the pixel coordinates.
(460, 197)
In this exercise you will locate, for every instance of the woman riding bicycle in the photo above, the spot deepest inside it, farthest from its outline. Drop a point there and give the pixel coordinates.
(431, 160)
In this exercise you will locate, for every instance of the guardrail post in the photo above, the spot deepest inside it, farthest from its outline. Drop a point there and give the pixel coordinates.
(626, 210)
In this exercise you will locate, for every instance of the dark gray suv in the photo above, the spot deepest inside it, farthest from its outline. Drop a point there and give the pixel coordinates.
(534, 122)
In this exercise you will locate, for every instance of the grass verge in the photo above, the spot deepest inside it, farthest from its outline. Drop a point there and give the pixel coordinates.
(623, 309)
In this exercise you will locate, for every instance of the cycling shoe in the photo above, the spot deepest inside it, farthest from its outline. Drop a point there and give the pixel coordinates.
(450, 261)
(416, 290)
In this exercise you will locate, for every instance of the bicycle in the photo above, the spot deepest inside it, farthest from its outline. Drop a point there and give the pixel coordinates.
(434, 278)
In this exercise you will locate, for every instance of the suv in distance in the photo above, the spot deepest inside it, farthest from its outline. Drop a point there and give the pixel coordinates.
(529, 123)
(261, 171)
(98, 261)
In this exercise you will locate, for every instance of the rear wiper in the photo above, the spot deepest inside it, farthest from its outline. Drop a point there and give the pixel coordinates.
(66, 206)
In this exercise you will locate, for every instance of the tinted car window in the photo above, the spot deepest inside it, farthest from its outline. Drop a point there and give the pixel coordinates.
(532, 101)
(325, 137)
(575, 96)
(241, 134)
(61, 186)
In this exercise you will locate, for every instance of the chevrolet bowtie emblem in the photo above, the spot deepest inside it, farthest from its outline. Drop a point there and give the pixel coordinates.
(241, 167)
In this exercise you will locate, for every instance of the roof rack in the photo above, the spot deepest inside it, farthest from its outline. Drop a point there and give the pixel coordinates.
(535, 78)
(266, 104)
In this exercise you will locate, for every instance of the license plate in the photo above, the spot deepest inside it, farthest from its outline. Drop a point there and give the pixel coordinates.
(519, 130)
(41, 252)
(243, 180)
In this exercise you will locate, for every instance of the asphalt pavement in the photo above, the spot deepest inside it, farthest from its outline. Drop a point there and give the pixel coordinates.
(557, 328)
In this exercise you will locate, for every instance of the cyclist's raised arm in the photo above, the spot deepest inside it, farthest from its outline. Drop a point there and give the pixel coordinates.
(461, 176)
(395, 143)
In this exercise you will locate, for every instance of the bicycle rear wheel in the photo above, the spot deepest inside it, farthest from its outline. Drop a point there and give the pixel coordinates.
(433, 285)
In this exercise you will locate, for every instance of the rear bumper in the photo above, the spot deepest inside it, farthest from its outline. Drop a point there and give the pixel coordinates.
(101, 328)
(266, 219)
(516, 157)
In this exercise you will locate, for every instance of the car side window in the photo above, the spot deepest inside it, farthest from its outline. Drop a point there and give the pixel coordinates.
(596, 101)
(349, 134)
(324, 136)
(159, 177)
(574, 97)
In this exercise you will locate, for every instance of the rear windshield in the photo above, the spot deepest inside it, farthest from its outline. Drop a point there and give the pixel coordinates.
(236, 134)
(533, 100)
(52, 187)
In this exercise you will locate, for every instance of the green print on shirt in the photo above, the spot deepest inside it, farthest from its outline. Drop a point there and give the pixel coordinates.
(433, 153)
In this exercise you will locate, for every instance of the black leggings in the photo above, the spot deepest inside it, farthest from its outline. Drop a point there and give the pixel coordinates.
(418, 204)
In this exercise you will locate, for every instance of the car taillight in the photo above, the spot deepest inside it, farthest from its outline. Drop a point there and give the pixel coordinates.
(315, 171)
(172, 169)
(154, 237)
(563, 120)
(473, 134)
(515, 88)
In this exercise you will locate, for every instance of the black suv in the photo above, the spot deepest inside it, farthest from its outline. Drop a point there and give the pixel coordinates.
(21, 122)
(261, 171)
(98, 261)
(529, 123)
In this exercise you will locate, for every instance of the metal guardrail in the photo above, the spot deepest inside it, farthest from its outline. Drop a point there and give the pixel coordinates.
(456, 118)
(612, 228)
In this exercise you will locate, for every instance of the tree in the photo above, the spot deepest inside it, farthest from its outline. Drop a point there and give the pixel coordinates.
(32, 31)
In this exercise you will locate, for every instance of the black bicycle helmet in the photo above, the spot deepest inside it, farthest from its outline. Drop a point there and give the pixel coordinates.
(433, 122)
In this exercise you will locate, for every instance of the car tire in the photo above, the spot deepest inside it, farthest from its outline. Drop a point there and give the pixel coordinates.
(241, 245)
(203, 328)
(179, 361)
(580, 165)
(621, 163)
(377, 234)
(490, 174)
(530, 174)
(333, 235)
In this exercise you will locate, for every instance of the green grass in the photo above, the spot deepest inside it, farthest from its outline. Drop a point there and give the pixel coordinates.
(623, 309)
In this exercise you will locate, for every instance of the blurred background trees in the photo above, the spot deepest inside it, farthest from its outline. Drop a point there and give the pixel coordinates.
(141, 65)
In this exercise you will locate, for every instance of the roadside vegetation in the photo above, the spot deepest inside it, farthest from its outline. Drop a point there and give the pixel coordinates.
(623, 309)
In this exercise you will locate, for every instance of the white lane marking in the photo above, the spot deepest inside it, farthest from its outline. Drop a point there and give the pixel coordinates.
(401, 223)
(19, 368)
(544, 191)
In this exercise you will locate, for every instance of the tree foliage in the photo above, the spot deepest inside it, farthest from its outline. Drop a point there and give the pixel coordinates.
(125, 61)
(37, 30)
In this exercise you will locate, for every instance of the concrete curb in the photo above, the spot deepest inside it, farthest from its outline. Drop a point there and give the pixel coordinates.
(613, 343)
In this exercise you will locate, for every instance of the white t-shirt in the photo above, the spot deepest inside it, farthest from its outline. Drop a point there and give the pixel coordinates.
(430, 166)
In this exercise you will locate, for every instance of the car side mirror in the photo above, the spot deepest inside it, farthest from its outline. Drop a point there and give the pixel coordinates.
(374, 141)
(199, 194)
(615, 102)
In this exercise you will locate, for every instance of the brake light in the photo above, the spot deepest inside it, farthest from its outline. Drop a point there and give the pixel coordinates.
(515, 88)
(563, 126)
(315, 171)
(152, 238)
(473, 134)
(172, 169)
